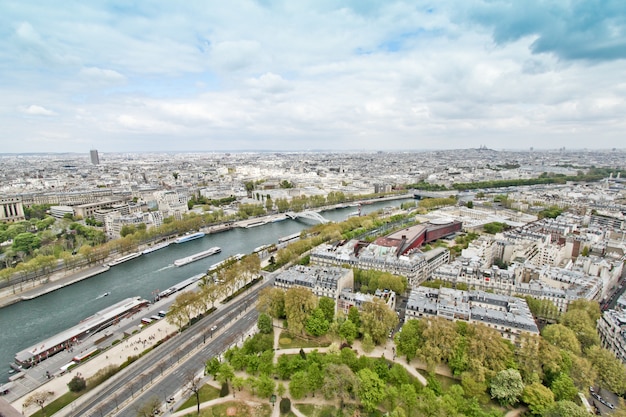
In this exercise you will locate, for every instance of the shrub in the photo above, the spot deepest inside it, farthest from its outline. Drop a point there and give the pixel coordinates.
(224, 390)
(77, 384)
(285, 405)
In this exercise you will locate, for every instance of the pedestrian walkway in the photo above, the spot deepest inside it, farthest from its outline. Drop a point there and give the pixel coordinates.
(116, 355)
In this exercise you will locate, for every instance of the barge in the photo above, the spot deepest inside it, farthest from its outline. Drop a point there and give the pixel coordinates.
(189, 237)
(125, 258)
(200, 255)
(68, 338)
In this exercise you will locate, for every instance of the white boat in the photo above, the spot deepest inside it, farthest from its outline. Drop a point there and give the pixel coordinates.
(200, 255)
(125, 258)
(155, 248)
(189, 237)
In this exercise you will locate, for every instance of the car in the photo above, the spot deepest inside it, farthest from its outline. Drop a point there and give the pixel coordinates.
(170, 400)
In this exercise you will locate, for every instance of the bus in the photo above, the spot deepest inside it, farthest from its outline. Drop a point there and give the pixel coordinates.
(85, 355)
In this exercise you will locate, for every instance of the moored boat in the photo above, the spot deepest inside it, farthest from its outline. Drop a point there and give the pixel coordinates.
(200, 255)
(125, 258)
(155, 248)
(189, 237)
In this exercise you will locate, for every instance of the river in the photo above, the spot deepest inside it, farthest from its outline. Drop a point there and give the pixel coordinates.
(27, 322)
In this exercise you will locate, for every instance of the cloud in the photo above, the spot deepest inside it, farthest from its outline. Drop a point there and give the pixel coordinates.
(571, 30)
(102, 75)
(35, 110)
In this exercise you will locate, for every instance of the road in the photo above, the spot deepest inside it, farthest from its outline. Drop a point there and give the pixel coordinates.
(166, 369)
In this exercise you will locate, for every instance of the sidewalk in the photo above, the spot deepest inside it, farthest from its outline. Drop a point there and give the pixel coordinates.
(53, 282)
(115, 355)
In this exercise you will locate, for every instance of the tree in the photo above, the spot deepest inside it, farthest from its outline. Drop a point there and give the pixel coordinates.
(38, 398)
(355, 316)
(371, 389)
(26, 242)
(265, 386)
(378, 319)
(565, 409)
(298, 385)
(299, 303)
(77, 384)
(327, 305)
(611, 371)
(537, 397)
(583, 325)
(410, 338)
(149, 408)
(225, 373)
(316, 324)
(339, 382)
(561, 337)
(348, 331)
(507, 386)
(264, 323)
(272, 301)
(285, 405)
(563, 388)
(192, 386)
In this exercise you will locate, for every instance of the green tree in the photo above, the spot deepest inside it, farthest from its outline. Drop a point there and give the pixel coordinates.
(507, 386)
(561, 337)
(378, 319)
(264, 323)
(316, 323)
(371, 389)
(299, 303)
(77, 384)
(565, 409)
(538, 398)
(583, 326)
(354, 316)
(563, 388)
(611, 371)
(26, 242)
(339, 382)
(272, 301)
(348, 331)
(298, 385)
(410, 338)
(327, 305)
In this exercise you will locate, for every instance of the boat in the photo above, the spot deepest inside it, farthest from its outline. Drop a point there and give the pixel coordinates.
(67, 338)
(255, 224)
(156, 248)
(106, 294)
(125, 258)
(189, 237)
(233, 258)
(200, 255)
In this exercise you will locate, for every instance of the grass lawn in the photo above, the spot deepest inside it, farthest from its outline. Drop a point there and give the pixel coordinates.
(58, 404)
(238, 409)
(207, 393)
(312, 410)
(287, 341)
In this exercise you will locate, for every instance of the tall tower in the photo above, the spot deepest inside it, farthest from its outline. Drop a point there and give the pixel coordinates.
(94, 156)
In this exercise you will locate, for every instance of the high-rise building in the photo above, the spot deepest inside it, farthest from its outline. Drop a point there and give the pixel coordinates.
(94, 156)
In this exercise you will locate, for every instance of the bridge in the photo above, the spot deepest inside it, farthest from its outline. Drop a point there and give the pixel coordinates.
(308, 215)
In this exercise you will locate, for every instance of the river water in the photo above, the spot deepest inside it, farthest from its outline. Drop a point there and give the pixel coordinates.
(27, 322)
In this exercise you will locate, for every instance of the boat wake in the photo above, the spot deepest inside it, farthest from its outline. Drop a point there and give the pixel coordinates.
(165, 267)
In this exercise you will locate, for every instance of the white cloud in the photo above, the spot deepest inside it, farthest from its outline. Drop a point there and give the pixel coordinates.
(35, 110)
(298, 75)
(102, 75)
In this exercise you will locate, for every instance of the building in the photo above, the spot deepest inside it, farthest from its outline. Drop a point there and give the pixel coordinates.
(508, 315)
(11, 209)
(94, 156)
(612, 331)
(59, 212)
(347, 298)
(322, 281)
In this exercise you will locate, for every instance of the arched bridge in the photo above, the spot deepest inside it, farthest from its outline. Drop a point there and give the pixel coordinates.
(309, 215)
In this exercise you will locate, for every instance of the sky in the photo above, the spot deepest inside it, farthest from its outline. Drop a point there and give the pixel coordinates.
(300, 75)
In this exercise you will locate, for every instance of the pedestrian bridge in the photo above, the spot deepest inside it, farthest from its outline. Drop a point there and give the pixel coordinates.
(308, 215)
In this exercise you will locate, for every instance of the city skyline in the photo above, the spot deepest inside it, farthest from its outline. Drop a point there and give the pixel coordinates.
(272, 76)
